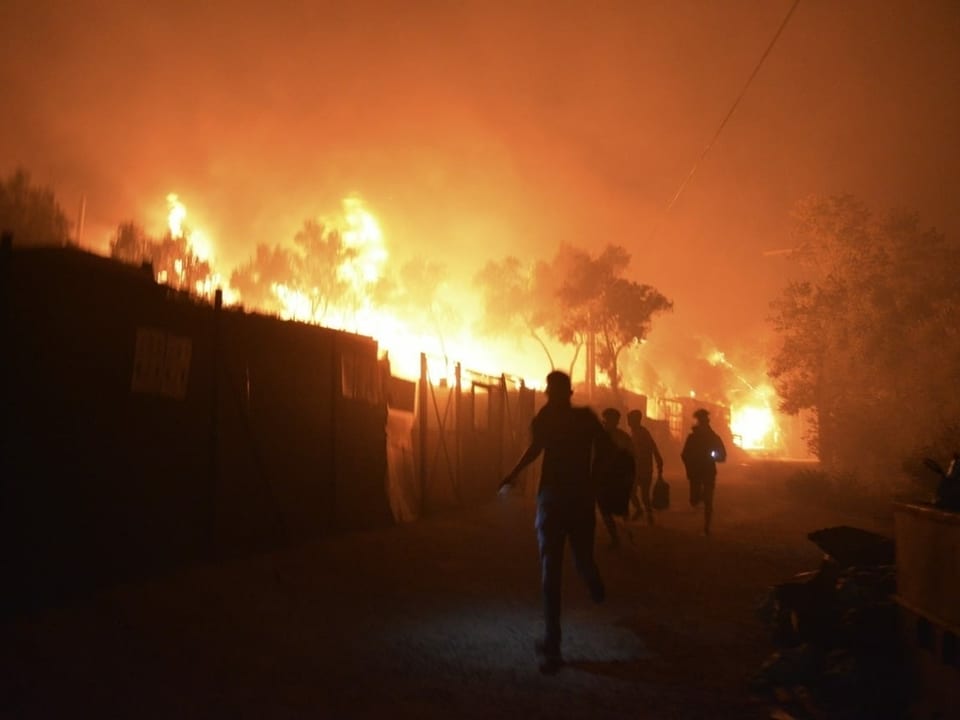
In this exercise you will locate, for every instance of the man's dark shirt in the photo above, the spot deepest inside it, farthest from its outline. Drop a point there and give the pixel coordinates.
(567, 435)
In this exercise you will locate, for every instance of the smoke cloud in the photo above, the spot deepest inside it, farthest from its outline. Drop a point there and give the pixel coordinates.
(475, 130)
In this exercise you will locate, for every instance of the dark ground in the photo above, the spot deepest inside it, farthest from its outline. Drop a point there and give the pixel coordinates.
(435, 619)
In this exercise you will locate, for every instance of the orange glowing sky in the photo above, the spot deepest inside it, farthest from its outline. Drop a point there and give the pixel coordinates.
(476, 129)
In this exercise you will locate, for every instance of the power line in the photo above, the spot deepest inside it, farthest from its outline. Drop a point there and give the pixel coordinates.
(729, 114)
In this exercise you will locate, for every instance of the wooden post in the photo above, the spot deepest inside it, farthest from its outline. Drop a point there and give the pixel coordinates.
(458, 433)
(591, 363)
(503, 419)
(211, 519)
(423, 399)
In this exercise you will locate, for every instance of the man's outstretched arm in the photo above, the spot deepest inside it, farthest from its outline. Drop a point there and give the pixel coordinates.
(529, 455)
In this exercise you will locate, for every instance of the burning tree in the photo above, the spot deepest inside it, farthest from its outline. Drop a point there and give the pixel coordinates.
(517, 299)
(256, 279)
(327, 276)
(172, 258)
(419, 297)
(576, 298)
(303, 281)
(599, 305)
(31, 213)
(131, 244)
(179, 258)
(868, 338)
(317, 267)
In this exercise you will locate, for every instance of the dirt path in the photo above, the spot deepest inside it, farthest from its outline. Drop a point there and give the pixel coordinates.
(435, 619)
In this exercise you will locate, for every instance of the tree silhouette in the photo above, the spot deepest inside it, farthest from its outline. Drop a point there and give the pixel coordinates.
(173, 261)
(867, 336)
(131, 244)
(31, 213)
(625, 319)
(574, 298)
(597, 303)
(414, 293)
(516, 299)
(312, 267)
(256, 279)
(317, 267)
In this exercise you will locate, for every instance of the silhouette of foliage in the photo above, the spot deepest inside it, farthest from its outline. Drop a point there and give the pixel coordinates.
(131, 244)
(596, 300)
(256, 278)
(316, 266)
(173, 261)
(321, 252)
(572, 298)
(415, 293)
(31, 213)
(516, 299)
(867, 335)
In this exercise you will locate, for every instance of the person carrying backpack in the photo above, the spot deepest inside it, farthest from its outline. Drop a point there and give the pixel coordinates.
(702, 451)
(615, 469)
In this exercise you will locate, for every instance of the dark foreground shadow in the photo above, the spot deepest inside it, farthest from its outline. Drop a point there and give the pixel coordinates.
(620, 669)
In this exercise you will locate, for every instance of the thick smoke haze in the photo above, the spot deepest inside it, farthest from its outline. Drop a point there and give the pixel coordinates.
(476, 129)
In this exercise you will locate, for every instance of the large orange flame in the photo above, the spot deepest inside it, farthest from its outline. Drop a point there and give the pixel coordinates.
(404, 337)
(753, 421)
(175, 216)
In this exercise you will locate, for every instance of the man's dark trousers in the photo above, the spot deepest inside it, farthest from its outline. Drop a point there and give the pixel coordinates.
(557, 520)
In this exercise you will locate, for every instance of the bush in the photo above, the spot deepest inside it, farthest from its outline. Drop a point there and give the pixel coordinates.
(940, 449)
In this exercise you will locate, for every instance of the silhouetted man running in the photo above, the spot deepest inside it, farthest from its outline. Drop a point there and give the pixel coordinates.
(702, 451)
(567, 437)
(646, 452)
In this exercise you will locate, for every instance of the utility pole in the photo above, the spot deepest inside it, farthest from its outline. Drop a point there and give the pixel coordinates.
(591, 359)
(81, 216)
(423, 397)
(591, 362)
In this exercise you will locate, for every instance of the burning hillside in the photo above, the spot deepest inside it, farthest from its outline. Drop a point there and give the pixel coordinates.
(339, 271)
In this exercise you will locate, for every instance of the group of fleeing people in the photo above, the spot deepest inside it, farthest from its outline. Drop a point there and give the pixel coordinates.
(583, 459)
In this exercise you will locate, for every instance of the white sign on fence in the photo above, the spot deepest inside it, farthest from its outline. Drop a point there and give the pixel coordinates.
(161, 363)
